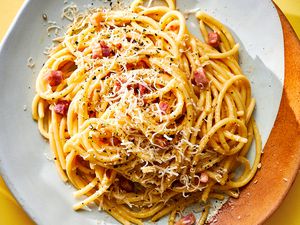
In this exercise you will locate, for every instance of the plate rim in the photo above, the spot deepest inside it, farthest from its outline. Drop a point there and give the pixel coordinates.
(223, 215)
(3, 174)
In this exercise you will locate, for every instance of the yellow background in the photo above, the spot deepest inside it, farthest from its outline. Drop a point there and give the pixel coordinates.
(287, 214)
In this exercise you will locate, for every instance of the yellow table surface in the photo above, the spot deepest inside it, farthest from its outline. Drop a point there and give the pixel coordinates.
(287, 214)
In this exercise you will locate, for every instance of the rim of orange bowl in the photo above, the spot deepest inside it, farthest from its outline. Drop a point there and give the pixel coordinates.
(263, 217)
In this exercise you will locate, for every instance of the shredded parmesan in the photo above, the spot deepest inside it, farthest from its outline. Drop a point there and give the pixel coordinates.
(30, 63)
(70, 12)
(48, 50)
(53, 28)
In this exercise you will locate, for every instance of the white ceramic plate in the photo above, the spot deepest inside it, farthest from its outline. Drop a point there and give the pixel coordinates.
(31, 177)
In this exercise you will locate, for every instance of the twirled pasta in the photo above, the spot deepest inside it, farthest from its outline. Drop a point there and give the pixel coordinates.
(144, 118)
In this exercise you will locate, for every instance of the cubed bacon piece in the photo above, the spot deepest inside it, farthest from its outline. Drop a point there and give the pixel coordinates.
(134, 87)
(214, 39)
(119, 46)
(96, 19)
(203, 178)
(115, 141)
(80, 161)
(118, 85)
(129, 66)
(97, 52)
(143, 90)
(111, 27)
(187, 220)
(54, 77)
(105, 49)
(126, 185)
(101, 50)
(106, 52)
(200, 77)
(142, 65)
(92, 114)
(162, 142)
(61, 107)
(163, 106)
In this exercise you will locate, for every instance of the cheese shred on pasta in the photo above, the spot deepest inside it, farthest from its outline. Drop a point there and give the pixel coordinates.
(143, 118)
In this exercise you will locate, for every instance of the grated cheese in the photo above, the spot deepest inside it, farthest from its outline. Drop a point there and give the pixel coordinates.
(30, 63)
(70, 12)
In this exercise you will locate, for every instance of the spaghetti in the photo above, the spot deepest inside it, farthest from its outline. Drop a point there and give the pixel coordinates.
(144, 118)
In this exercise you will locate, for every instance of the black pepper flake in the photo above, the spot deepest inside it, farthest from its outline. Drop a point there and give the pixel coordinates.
(76, 42)
(94, 78)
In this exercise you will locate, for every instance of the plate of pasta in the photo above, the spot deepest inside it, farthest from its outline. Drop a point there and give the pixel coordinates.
(143, 111)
